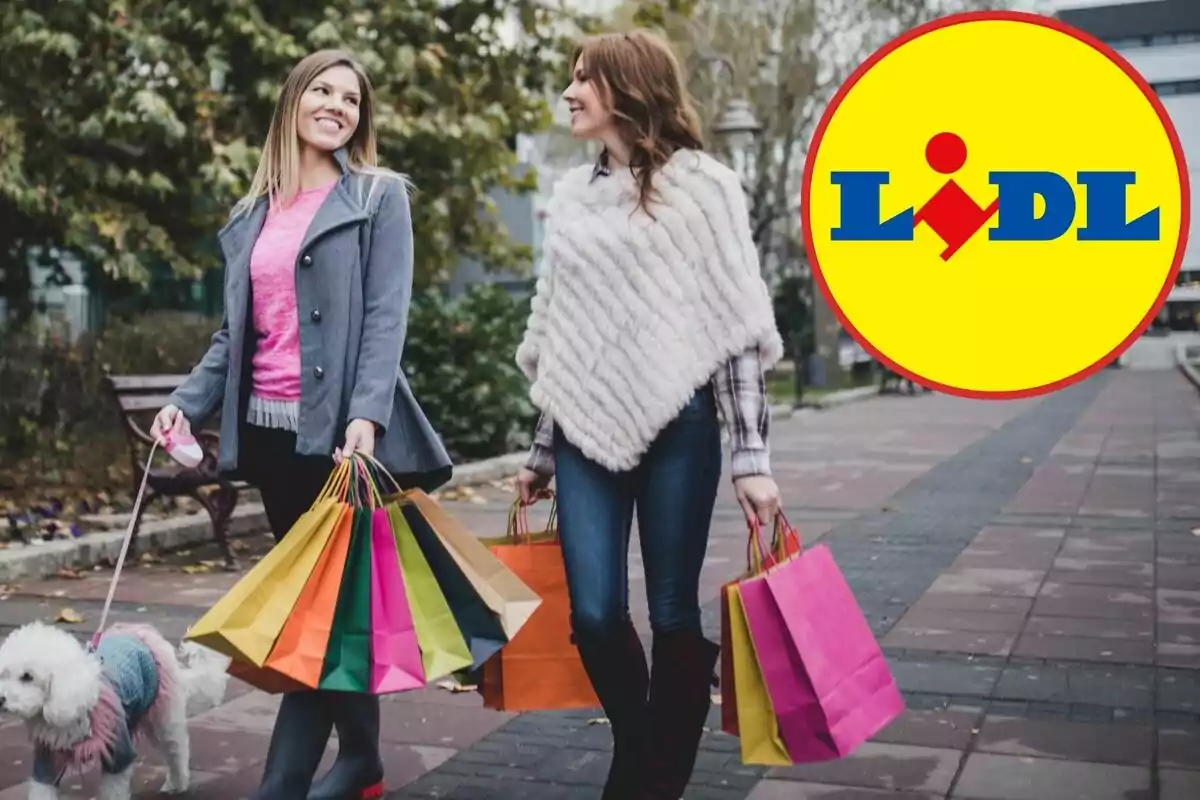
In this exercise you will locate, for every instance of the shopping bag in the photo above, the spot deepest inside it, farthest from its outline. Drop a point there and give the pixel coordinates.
(540, 669)
(347, 665)
(299, 652)
(443, 648)
(786, 544)
(264, 679)
(503, 592)
(245, 623)
(827, 679)
(395, 655)
(758, 726)
(479, 627)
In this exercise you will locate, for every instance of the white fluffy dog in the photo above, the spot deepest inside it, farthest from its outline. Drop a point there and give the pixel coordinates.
(82, 707)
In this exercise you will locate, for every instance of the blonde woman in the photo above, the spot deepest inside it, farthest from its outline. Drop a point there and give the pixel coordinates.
(305, 368)
(651, 323)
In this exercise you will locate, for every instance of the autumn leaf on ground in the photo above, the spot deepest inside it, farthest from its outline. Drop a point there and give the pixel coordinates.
(69, 616)
(150, 558)
(599, 721)
(72, 574)
(196, 569)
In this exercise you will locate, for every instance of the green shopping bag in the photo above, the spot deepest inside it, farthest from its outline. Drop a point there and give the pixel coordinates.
(443, 648)
(347, 665)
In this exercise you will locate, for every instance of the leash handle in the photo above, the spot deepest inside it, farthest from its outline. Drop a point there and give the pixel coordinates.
(133, 518)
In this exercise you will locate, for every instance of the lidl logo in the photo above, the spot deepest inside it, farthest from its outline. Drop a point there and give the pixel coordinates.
(995, 204)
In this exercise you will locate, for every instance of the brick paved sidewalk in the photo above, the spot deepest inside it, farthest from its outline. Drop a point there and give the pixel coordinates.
(1030, 567)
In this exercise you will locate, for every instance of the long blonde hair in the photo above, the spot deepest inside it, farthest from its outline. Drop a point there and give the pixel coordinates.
(278, 175)
(642, 82)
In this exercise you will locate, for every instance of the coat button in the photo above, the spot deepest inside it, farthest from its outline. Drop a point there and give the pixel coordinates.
(316, 315)
(318, 373)
(306, 261)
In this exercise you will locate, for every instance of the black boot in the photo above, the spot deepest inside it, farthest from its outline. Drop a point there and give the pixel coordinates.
(617, 668)
(358, 772)
(298, 742)
(681, 684)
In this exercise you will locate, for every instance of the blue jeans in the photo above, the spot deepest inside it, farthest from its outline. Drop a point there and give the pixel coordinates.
(673, 490)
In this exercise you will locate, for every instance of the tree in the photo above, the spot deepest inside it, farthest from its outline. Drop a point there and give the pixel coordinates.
(136, 124)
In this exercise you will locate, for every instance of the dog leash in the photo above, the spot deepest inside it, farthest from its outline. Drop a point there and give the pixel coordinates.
(133, 518)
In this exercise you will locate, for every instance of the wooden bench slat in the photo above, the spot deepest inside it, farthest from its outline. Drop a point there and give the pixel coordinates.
(143, 383)
(142, 402)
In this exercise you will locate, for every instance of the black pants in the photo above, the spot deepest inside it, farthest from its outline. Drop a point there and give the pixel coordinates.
(288, 482)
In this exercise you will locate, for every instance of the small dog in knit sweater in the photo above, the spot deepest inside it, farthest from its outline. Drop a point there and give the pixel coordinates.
(82, 707)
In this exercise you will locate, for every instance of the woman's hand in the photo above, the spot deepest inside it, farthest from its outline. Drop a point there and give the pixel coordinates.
(171, 420)
(529, 484)
(758, 496)
(360, 438)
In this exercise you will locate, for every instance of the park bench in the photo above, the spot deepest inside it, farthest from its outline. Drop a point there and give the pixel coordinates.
(139, 397)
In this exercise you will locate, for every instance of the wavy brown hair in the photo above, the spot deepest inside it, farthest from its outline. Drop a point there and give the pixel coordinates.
(639, 77)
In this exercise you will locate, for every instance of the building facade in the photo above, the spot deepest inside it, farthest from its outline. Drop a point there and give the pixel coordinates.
(1161, 39)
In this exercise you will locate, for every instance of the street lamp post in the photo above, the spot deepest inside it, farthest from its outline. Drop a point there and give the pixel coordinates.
(737, 124)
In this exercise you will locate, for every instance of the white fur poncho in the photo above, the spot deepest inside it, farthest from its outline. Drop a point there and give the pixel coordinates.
(632, 314)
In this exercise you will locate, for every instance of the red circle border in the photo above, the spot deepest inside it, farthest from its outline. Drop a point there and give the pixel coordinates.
(997, 16)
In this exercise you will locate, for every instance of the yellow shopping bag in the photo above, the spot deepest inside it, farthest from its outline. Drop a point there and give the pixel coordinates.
(757, 725)
(245, 623)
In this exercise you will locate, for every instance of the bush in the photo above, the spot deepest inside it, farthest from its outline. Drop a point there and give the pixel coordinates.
(58, 426)
(460, 361)
(56, 419)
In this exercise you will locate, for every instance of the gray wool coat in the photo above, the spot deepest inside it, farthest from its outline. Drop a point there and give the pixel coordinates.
(354, 276)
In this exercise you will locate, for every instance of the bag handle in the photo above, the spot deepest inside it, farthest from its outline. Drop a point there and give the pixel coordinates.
(336, 485)
(379, 471)
(757, 551)
(518, 516)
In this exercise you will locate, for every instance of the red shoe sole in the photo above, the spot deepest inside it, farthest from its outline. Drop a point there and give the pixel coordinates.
(374, 792)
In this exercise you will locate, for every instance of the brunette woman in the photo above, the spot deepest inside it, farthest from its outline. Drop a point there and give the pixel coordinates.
(651, 323)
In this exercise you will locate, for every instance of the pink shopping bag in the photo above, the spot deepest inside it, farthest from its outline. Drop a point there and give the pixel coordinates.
(828, 681)
(395, 654)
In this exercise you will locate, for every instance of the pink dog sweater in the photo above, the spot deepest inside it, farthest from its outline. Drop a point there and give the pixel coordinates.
(275, 393)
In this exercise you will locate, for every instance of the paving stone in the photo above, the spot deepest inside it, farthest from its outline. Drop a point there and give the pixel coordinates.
(914, 674)
(974, 603)
(954, 620)
(791, 790)
(1177, 784)
(1072, 741)
(945, 641)
(1070, 600)
(883, 766)
(1115, 686)
(1002, 582)
(1090, 628)
(951, 730)
(1072, 648)
(1001, 777)
(1179, 748)
(1179, 690)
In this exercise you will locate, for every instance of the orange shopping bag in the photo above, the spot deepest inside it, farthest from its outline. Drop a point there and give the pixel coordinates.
(540, 669)
(299, 652)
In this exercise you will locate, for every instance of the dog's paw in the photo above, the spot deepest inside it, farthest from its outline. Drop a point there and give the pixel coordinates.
(175, 785)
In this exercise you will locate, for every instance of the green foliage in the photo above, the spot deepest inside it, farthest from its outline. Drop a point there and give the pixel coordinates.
(59, 426)
(460, 360)
(135, 124)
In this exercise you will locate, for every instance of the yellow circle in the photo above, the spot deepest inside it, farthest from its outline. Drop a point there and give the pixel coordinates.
(997, 318)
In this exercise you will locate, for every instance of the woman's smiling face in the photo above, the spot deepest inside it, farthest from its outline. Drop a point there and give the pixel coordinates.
(327, 115)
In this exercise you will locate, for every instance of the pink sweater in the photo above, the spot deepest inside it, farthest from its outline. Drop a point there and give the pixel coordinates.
(275, 394)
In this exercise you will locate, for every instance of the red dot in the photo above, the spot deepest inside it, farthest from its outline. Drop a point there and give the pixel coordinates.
(946, 153)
